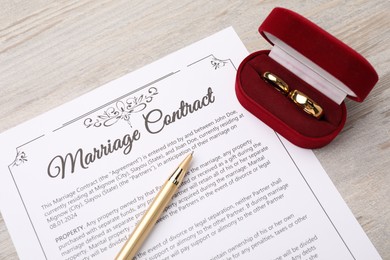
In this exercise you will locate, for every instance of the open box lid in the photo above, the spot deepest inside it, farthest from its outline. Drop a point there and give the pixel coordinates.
(317, 57)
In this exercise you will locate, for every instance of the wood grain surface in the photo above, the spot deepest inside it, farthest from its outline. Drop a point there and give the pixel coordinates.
(54, 51)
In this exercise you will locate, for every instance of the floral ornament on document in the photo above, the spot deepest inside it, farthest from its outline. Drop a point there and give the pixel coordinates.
(122, 110)
(217, 63)
(19, 159)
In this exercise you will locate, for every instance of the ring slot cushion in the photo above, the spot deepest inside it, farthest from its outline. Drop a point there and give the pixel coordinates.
(320, 50)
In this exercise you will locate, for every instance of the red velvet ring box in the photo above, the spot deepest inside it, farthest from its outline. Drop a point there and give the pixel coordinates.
(312, 61)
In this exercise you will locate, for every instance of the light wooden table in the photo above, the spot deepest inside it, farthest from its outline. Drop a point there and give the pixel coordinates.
(53, 51)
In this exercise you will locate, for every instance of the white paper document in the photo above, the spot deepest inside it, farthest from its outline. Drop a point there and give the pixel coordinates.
(75, 181)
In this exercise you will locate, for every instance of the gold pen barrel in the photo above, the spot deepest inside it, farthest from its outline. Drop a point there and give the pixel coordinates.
(154, 211)
(147, 222)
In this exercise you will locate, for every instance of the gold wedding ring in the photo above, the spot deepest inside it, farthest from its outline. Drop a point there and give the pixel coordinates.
(300, 99)
(306, 103)
(277, 82)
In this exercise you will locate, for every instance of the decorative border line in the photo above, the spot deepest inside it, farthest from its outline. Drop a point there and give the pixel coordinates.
(20, 195)
(315, 196)
(216, 63)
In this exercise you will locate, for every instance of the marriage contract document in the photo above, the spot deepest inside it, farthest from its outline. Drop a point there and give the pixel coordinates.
(75, 181)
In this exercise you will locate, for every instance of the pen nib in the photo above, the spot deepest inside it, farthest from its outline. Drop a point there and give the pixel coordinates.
(178, 175)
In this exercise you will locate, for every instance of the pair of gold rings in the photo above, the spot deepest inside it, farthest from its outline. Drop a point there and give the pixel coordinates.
(300, 99)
